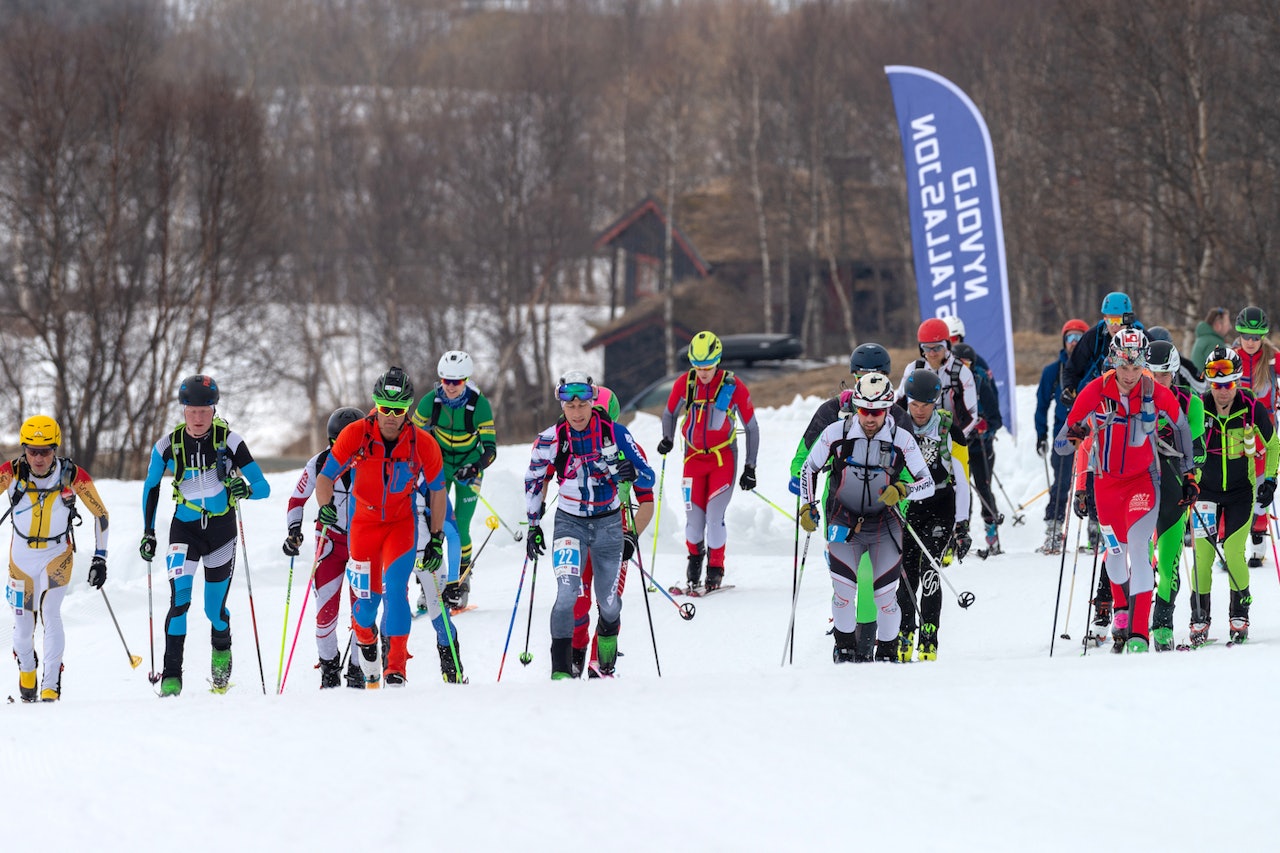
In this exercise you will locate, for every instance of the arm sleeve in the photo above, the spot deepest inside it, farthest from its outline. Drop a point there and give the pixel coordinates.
(159, 463)
(542, 459)
(963, 498)
(301, 492)
(88, 493)
(1044, 396)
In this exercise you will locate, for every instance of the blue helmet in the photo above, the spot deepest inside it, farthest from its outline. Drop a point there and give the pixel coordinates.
(1116, 303)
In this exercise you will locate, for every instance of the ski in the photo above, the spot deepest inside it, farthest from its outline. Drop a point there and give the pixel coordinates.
(594, 669)
(1188, 647)
(984, 553)
(696, 593)
(213, 688)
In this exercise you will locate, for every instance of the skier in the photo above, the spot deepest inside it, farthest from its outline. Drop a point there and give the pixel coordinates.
(1259, 362)
(711, 396)
(460, 419)
(940, 520)
(1089, 359)
(1164, 364)
(982, 445)
(1235, 423)
(42, 489)
(590, 456)
(867, 453)
(1119, 409)
(390, 460)
(1050, 392)
(331, 559)
(959, 390)
(606, 403)
(213, 471)
(1188, 377)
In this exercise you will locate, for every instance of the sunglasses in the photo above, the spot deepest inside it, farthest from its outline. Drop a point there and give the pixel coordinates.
(1218, 369)
(1113, 319)
(1072, 337)
(1224, 386)
(39, 451)
(453, 381)
(1248, 337)
(576, 391)
(933, 347)
(872, 412)
(392, 411)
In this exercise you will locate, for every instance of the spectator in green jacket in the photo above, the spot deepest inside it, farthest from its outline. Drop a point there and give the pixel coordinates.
(1210, 333)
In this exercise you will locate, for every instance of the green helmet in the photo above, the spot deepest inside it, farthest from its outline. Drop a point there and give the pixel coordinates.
(393, 388)
(1252, 321)
(705, 350)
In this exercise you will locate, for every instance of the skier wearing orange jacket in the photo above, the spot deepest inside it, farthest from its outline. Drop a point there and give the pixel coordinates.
(1120, 410)
(388, 457)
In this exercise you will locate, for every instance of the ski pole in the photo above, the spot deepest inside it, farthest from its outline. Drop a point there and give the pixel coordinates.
(788, 648)
(492, 523)
(631, 518)
(774, 505)
(657, 519)
(284, 630)
(687, 610)
(1071, 593)
(248, 579)
(315, 564)
(1018, 518)
(152, 676)
(515, 607)
(795, 580)
(1062, 568)
(964, 599)
(515, 534)
(525, 657)
(134, 660)
(1093, 585)
(1029, 501)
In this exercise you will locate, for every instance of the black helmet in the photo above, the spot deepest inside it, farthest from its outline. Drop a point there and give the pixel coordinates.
(923, 385)
(198, 390)
(964, 352)
(393, 388)
(1162, 357)
(1158, 333)
(1252, 321)
(869, 358)
(340, 419)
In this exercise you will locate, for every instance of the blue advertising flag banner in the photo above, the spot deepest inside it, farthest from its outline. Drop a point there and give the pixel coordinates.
(956, 233)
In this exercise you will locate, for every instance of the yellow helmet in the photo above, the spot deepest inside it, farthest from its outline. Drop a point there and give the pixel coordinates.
(40, 431)
(705, 350)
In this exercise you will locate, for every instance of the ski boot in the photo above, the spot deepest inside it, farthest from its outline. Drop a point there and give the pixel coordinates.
(579, 662)
(1101, 622)
(171, 685)
(450, 673)
(693, 573)
(27, 686)
(1053, 539)
(715, 576)
(1162, 624)
(887, 650)
(220, 669)
(1136, 644)
(370, 664)
(1256, 552)
(1199, 633)
(844, 648)
(993, 539)
(1119, 631)
(330, 672)
(1239, 611)
(906, 645)
(1162, 639)
(928, 649)
(422, 597)
(561, 658)
(353, 676)
(607, 649)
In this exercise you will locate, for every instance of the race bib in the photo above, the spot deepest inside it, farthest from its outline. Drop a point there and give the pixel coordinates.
(1110, 540)
(566, 557)
(15, 594)
(1204, 520)
(358, 577)
(686, 487)
(175, 560)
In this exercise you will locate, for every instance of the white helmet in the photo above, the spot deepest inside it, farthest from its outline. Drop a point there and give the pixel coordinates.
(455, 364)
(955, 326)
(872, 391)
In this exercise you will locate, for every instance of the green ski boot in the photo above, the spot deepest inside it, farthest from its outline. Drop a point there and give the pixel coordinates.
(171, 686)
(221, 670)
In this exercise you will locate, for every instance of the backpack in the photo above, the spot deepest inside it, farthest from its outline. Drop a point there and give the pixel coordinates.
(564, 445)
(178, 446)
(470, 396)
(69, 470)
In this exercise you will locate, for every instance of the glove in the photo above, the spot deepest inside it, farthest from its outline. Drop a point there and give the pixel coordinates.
(328, 515)
(664, 446)
(148, 546)
(293, 542)
(98, 572)
(1077, 432)
(1080, 504)
(626, 471)
(433, 554)
(1191, 490)
(535, 544)
(1068, 396)
(1267, 491)
(747, 481)
(466, 473)
(894, 493)
(236, 487)
(794, 486)
(963, 540)
(630, 544)
(1042, 445)
(809, 518)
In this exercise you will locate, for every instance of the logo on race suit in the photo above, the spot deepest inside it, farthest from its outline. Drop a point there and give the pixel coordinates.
(1141, 502)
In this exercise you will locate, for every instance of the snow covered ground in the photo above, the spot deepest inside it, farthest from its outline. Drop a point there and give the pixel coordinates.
(995, 746)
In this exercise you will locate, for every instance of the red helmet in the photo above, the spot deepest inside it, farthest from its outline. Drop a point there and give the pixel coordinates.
(933, 330)
(1074, 325)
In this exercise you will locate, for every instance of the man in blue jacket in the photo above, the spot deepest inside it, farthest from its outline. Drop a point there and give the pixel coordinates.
(1050, 392)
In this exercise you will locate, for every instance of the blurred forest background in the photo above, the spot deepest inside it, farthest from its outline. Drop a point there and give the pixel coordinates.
(244, 184)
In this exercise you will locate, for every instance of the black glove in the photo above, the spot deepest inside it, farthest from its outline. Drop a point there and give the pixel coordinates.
(328, 515)
(535, 544)
(1068, 396)
(630, 544)
(1267, 491)
(1042, 445)
(433, 554)
(237, 488)
(148, 547)
(293, 542)
(1191, 490)
(963, 540)
(466, 473)
(1080, 504)
(626, 471)
(98, 572)
(747, 481)
(664, 446)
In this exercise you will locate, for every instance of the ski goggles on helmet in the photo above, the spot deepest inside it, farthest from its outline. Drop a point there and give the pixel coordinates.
(1222, 369)
(576, 391)
(391, 411)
